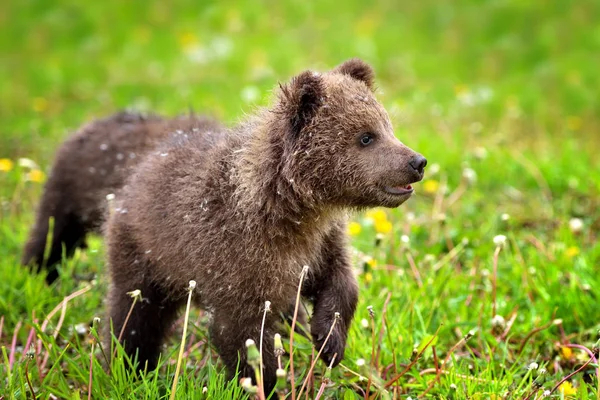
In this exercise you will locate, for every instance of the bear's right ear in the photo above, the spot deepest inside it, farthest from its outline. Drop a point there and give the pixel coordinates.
(301, 99)
(359, 70)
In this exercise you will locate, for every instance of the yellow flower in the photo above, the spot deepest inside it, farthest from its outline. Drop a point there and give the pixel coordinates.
(371, 262)
(39, 104)
(377, 215)
(431, 186)
(384, 226)
(567, 388)
(6, 164)
(187, 40)
(572, 251)
(354, 228)
(461, 90)
(566, 352)
(35, 176)
(574, 123)
(368, 277)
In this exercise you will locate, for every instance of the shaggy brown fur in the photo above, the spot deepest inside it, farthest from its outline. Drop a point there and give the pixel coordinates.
(89, 165)
(243, 218)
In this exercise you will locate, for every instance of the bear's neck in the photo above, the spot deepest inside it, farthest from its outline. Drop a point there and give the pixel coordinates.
(265, 191)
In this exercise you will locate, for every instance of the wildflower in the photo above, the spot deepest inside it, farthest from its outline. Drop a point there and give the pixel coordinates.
(27, 163)
(505, 217)
(433, 169)
(250, 94)
(469, 175)
(377, 215)
(572, 251)
(383, 226)
(499, 240)
(566, 388)
(39, 104)
(253, 354)
(364, 323)
(431, 186)
(498, 323)
(354, 228)
(6, 164)
(405, 239)
(187, 40)
(533, 366)
(136, 294)
(566, 352)
(36, 176)
(576, 225)
(574, 123)
(480, 153)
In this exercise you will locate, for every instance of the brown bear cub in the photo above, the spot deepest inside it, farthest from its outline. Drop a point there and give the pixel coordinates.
(244, 217)
(89, 165)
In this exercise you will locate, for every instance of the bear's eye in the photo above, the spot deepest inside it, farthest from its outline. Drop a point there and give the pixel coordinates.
(367, 139)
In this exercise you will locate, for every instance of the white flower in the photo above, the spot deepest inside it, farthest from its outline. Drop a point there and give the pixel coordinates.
(533, 366)
(480, 152)
(499, 240)
(27, 163)
(576, 225)
(469, 175)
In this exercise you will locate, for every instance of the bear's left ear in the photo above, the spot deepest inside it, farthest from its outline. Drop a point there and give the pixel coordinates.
(359, 70)
(302, 98)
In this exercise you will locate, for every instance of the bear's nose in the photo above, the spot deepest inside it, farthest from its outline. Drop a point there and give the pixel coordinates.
(418, 163)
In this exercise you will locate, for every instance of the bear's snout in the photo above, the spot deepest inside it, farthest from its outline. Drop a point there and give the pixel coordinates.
(418, 163)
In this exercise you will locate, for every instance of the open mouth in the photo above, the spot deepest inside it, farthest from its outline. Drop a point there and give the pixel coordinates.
(399, 190)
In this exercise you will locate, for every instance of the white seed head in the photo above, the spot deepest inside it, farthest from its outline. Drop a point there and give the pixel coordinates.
(557, 321)
(505, 217)
(500, 240)
(453, 386)
(192, 284)
(360, 362)
(336, 315)
(136, 294)
(267, 305)
(250, 342)
(576, 225)
(364, 323)
(96, 320)
(546, 393)
(110, 196)
(27, 163)
(480, 152)
(405, 239)
(204, 390)
(498, 321)
(533, 366)
(469, 175)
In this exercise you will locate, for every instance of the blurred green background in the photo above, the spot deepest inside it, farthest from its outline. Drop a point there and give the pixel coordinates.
(514, 67)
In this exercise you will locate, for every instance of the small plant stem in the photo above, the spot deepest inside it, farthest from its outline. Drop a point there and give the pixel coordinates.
(494, 279)
(182, 346)
(413, 362)
(293, 327)
(312, 366)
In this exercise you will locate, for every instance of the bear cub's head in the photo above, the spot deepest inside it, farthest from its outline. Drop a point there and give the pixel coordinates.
(339, 145)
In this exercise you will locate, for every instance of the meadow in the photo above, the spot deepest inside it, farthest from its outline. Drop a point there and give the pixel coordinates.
(484, 285)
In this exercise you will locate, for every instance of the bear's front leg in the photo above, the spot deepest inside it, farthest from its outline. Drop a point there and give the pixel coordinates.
(333, 289)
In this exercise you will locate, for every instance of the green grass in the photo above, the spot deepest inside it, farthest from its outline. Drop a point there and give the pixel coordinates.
(508, 89)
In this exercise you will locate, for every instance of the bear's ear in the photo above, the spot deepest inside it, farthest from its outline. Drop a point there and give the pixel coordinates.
(357, 69)
(302, 98)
